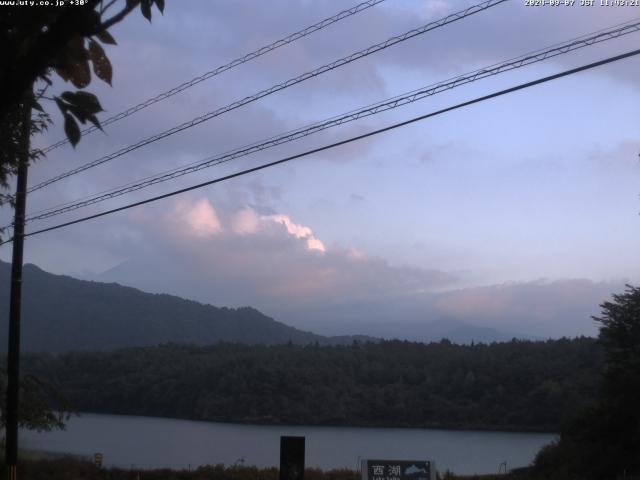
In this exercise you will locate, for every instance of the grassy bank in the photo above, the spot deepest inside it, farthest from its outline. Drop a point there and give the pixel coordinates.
(73, 468)
(66, 468)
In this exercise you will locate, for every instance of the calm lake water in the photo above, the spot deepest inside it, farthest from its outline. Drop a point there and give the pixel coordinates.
(145, 442)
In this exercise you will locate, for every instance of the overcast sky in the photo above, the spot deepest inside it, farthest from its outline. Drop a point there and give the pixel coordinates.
(520, 213)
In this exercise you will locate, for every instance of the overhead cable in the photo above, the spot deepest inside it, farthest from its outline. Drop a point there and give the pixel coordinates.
(275, 88)
(223, 68)
(374, 109)
(521, 86)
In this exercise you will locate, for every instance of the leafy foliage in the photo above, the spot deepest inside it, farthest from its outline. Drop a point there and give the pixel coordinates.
(42, 407)
(504, 386)
(41, 40)
(604, 441)
(80, 105)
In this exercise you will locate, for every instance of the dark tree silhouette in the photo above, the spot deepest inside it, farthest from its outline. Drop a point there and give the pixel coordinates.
(620, 404)
(43, 407)
(604, 441)
(40, 41)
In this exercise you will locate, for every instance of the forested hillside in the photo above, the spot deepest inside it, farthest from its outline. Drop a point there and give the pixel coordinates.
(518, 385)
(61, 313)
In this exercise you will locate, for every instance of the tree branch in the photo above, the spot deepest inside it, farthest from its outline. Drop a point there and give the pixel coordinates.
(106, 7)
(117, 18)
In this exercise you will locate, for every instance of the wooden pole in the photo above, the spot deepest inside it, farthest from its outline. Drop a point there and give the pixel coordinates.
(13, 355)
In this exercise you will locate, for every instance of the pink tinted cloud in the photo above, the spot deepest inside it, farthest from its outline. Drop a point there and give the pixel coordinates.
(265, 261)
(298, 231)
(199, 218)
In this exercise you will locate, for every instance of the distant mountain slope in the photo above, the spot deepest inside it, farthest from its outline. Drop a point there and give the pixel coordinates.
(405, 317)
(61, 313)
(459, 332)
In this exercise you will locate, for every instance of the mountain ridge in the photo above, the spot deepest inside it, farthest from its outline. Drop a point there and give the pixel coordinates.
(62, 313)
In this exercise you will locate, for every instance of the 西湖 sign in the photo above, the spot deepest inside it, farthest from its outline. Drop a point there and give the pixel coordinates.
(398, 470)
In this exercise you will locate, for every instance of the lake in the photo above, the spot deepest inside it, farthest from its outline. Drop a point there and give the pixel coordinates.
(147, 442)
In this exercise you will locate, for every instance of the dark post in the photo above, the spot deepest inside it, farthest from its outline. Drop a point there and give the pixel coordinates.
(291, 458)
(13, 355)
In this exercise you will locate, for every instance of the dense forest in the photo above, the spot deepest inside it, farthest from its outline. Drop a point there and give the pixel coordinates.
(518, 385)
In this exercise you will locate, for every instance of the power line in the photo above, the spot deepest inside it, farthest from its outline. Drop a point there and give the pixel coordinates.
(521, 86)
(223, 68)
(275, 88)
(389, 104)
(528, 58)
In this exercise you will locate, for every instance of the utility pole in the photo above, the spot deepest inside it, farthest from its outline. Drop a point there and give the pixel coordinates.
(13, 355)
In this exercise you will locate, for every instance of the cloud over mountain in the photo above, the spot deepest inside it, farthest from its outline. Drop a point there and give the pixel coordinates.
(236, 256)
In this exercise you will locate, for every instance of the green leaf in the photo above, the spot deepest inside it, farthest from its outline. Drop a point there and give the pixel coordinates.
(80, 114)
(101, 64)
(69, 97)
(61, 105)
(106, 38)
(80, 74)
(160, 5)
(86, 101)
(63, 73)
(81, 105)
(75, 52)
(71, 129)
(72, 64)
(145, 8)
(93, 119)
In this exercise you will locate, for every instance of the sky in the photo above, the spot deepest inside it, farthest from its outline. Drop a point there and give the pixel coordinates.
(519, 213)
